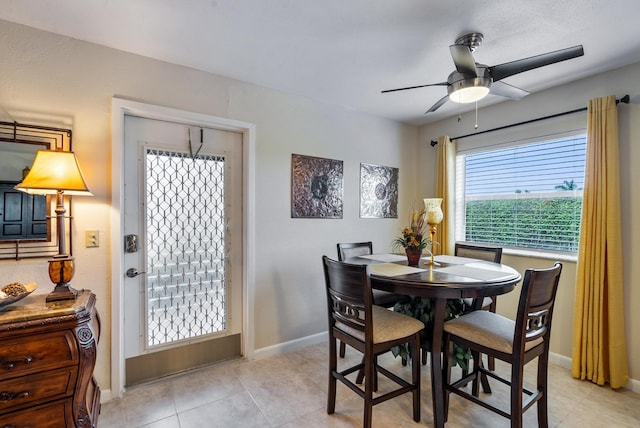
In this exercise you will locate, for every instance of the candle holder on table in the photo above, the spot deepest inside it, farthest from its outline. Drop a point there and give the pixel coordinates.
(433, 215)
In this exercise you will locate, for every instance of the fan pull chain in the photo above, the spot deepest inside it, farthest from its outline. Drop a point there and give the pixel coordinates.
(476, 126)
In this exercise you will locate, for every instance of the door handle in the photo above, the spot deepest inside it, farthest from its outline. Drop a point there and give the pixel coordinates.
(133, 272)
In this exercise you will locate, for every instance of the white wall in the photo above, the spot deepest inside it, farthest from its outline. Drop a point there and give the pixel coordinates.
(69, 83)
(565, 98)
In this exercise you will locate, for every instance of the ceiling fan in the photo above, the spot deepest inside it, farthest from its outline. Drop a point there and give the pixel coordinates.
(472, 81)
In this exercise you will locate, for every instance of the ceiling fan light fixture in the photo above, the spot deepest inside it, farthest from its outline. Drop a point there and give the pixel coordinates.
(469, 90)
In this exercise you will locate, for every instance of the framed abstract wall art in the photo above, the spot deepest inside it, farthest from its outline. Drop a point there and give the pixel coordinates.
(378, 191)
(316, 187)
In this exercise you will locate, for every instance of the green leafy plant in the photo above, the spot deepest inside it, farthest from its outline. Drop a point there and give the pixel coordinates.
(422, 309)
(414, 236)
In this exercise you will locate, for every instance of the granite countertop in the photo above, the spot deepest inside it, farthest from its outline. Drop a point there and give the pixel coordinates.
(34, 307)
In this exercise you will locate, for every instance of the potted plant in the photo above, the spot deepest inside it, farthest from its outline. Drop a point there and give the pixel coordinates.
(414, 238)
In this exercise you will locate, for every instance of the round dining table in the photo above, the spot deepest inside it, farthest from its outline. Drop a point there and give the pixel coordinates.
(451, 277)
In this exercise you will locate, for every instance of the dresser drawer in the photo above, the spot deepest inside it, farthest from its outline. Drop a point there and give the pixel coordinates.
(30, 354)
(33, 389)
(51, 415)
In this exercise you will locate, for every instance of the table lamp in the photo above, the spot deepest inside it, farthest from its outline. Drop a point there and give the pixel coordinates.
(57, 173)
(433, 216)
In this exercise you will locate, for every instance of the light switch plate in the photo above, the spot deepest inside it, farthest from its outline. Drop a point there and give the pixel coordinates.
(91, 238)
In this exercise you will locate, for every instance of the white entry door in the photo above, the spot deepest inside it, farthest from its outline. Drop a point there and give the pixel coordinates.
(183, 247)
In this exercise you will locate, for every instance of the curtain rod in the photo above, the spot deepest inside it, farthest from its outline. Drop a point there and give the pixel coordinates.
(624, 100)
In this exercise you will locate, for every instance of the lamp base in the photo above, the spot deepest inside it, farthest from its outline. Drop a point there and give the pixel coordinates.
(62, 292)
(61, 271)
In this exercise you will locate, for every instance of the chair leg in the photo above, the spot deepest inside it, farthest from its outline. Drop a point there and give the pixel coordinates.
(491, 361)
(543, 366)
(375, 374)
(483, 377)
(369, 382)
(343, 349)
(361, 374)
(415, 377)
(517, 382)
(477, 363)
(448, 352)
(333, 366)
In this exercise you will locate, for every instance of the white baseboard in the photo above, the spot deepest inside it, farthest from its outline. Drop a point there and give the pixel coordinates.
(105, 396)
(291, 345)
(562, 361)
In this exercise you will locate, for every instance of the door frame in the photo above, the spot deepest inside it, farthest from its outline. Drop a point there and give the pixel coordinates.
(119, 108)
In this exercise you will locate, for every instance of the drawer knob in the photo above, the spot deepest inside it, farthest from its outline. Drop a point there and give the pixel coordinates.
(24, 360)
(8, 396)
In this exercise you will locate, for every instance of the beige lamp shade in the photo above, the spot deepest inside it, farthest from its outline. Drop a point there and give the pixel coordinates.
(53, 171)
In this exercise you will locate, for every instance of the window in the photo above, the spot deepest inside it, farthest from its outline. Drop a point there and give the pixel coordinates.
(522, 195)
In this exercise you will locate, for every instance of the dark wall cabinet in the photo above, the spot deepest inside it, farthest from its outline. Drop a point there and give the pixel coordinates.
(22, 216)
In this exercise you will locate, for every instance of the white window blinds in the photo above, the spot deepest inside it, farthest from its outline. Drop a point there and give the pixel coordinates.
(522, 195)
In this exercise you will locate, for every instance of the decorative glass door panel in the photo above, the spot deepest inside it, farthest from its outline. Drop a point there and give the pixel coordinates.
(186, 246)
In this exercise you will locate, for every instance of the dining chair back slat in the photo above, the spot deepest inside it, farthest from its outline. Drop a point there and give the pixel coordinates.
(347, 250)
(482, 252)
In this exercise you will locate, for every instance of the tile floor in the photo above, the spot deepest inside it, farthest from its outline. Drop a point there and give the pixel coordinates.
(290, 391)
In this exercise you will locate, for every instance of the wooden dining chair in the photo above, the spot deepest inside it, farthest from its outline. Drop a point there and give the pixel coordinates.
(515, 342)
(487, 253)
(372, 330)
(346, 250)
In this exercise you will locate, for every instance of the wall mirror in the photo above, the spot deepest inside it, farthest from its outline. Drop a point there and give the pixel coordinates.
(25, 220)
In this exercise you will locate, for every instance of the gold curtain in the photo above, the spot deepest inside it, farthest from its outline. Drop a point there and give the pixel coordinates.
(445, 189)
(599, 346)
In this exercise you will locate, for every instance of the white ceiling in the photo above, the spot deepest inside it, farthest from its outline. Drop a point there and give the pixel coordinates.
(344, 52)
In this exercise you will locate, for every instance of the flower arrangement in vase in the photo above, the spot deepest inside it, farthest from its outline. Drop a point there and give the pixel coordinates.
(414, 238)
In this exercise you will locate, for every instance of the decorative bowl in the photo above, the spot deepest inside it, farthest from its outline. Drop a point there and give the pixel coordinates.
(6, 299)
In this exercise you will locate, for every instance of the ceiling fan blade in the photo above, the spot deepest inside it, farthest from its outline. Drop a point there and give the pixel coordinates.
(438, 104)
(415, 87)
(508, 91)
(499, 72)
(463, 60)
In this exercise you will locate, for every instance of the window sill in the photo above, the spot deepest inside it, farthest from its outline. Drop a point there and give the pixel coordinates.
(544, 255)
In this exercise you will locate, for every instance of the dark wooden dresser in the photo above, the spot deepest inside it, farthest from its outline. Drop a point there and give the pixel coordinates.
(47, 356)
